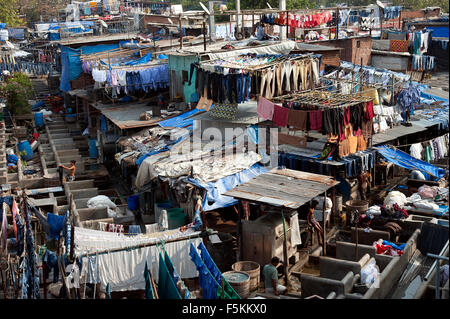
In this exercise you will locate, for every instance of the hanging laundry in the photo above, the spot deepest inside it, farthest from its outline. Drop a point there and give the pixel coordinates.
(148, 284)
(265, 109)
(423, 62)
(280, 115)
(166, 287)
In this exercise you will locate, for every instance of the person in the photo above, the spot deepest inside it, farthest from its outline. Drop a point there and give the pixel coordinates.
(260, 33)
(71, 176)
(312, 222)
(270, 273)
(363, 184)
(197, 223)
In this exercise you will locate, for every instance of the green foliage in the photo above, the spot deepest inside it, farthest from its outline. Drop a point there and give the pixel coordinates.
(17, 90)
(9, 13)
(421, 4)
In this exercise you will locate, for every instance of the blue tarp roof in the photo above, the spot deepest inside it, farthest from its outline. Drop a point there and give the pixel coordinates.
(405, 160)
(180, 120)
(214, 190)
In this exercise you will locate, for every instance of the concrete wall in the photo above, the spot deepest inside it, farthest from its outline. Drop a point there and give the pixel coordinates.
(346, 251)
(393, 270)
(391, 62)
(368, 238)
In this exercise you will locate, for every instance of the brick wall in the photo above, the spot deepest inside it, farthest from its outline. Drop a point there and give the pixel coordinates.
(353, 49)
(416, 14)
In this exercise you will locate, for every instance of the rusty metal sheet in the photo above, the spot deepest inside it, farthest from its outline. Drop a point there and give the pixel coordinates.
(306, 176)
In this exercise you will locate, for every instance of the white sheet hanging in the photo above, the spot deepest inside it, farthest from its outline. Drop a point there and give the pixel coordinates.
(295, 231)
(124, 270)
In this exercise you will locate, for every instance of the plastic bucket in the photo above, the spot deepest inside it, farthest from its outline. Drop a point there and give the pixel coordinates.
(39, 119)
(71, 118)
(25, 150)
(133, 202)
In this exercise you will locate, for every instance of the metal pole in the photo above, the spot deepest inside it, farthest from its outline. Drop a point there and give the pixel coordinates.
(431, 268)
(324, 245)
(436, 296)
(437, 257)
(181, 34)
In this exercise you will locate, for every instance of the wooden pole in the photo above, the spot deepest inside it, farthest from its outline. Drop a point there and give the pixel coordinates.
(204, 36)
(181, 34)
(336, 37)
(333, 200)
(285, 252)
(287, 25)
(253, 23)
(381, 23)
(223, 288)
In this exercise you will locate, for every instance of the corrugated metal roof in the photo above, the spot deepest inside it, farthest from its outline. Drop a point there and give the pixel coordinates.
(97, 38)
(396, 132)
(283, 187)
(126, 116)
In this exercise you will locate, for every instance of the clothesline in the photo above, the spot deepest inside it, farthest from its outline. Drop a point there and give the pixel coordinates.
(129, 248)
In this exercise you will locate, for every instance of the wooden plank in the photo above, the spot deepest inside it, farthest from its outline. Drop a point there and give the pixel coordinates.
(306, 176)
(276, 195)
(287, 190)
(294, 183)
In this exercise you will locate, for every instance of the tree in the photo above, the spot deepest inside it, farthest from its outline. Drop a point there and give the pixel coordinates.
(9, 13)
(17, 90)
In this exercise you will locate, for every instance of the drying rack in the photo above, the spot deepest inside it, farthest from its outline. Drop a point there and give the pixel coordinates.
(275, 61)
(323, 100)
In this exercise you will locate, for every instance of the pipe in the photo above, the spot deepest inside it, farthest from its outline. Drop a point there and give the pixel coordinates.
(427, 276)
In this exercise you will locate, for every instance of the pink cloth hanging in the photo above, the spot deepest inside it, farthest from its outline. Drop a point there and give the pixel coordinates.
(265, 109)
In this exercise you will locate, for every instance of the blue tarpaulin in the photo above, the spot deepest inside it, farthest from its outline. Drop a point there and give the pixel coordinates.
(145, 59)
(71, 63)
(180, 120)
(405, 160)
(214, 190)
(165, 148)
